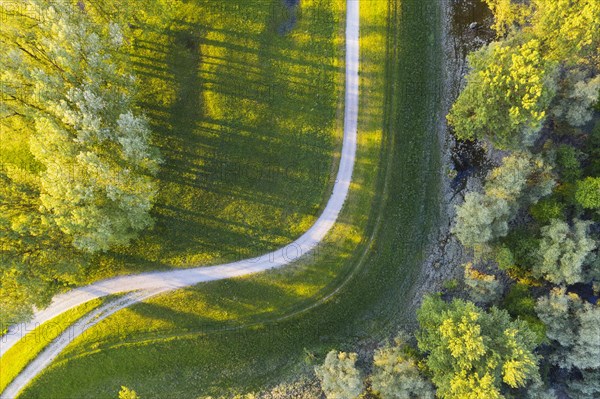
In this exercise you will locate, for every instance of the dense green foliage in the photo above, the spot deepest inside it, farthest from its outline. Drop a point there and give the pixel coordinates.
(473, 353)
(506, 96)
(87, 181)
(556, 242)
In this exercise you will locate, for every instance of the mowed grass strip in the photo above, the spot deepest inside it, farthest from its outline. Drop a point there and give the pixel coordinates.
(23, 352)
(244, 334)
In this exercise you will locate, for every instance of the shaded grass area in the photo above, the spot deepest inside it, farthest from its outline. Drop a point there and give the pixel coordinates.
(246, 117)
(27, 349)
(241, 335)
(246, 113)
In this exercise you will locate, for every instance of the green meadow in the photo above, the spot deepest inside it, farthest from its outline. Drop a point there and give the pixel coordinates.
(245, 334)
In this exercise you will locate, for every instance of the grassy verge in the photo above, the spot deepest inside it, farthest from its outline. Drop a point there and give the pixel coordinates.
(243, 334)
(27, 349)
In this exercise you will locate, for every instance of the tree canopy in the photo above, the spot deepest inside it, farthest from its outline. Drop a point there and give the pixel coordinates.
(472, 353)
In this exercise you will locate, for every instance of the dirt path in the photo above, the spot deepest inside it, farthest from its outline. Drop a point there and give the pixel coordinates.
(150, 284)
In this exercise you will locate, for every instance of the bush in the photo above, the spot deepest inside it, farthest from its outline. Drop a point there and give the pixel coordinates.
(520, 303)
(588, 193)
(340, 379)
(567, 163)
(482, 288)
(396, 375)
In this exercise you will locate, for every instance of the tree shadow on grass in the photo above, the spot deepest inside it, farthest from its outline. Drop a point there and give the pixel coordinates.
(245, 129)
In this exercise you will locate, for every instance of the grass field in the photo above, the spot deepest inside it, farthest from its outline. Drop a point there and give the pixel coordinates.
(24, 351)
(241, 335)
(247, 117)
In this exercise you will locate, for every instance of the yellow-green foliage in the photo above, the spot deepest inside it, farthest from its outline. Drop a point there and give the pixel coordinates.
(569, 28)
(472, 353)
(507, 93)
(396, 374)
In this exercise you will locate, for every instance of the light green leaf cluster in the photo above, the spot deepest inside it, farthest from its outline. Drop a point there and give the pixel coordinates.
(522, 179)
(396, 375)
(564, 251)
(482, 288)
(575, 327)
(340, 379)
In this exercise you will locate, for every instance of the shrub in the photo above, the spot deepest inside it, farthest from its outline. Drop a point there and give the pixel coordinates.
(588, 193)
(547, 209)
(340, 379)
(482, 288)
(396, 375)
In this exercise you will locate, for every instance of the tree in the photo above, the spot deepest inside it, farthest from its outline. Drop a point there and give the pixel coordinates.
(126, 393)
(340, 379)
(574, 102)
(396, 375)
(563, 252)
(472, 353)
(568, 29)
(588, 193)
(574, 326)
(508, 91)
(521, 179)
(482, 288)
(508, 15)
(35, 256)
(97, 181)
(588, 387)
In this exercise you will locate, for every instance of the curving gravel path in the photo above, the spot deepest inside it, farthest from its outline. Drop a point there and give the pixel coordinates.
(151, 284)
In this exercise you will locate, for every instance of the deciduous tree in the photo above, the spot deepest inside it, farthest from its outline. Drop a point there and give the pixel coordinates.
(564, 251)
(340, 379)
(472, 353)
(396, 375)
(508, 91)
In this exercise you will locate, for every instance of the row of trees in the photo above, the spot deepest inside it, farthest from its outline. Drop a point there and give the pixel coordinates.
(87, 180)
(524, 322)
